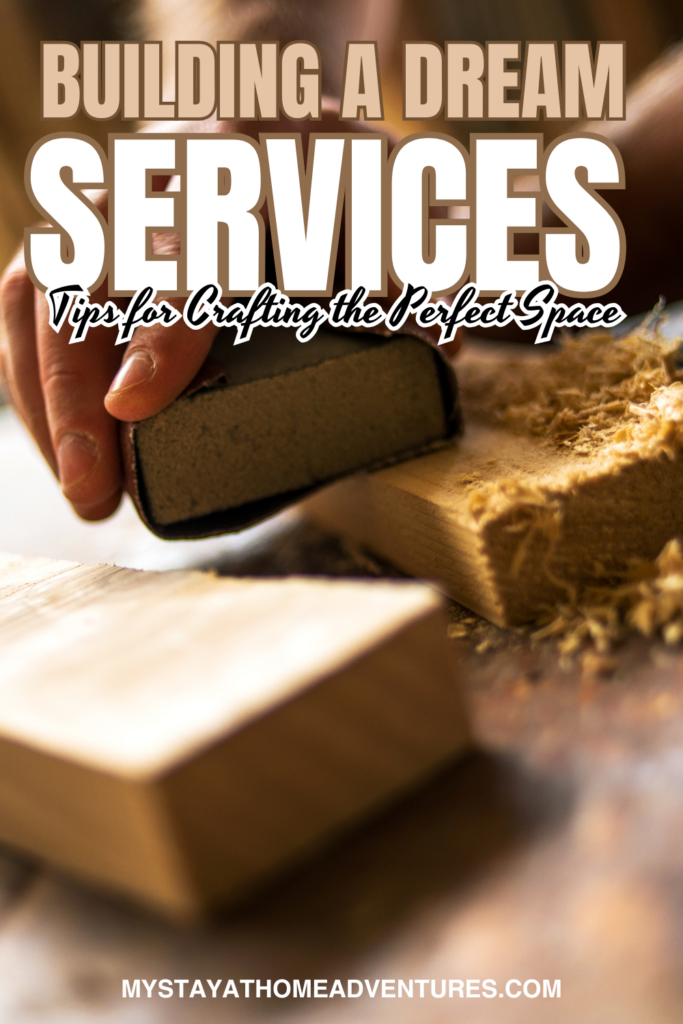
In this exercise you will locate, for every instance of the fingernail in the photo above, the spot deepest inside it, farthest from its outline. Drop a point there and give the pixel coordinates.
(136, 370)
(77, 456)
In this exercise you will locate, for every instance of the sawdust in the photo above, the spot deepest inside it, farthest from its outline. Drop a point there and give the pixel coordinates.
(603, 401)
(586, 394)
(535, 506)
(648, 601)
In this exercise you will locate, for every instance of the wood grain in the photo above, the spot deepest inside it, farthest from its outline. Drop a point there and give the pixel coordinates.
(179, 736)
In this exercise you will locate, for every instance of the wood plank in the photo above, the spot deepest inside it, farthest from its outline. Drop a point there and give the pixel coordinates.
(509, 525)
(179, 737)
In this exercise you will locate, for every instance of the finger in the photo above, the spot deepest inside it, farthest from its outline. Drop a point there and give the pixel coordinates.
(19, 354)
(75, 379)
(159, 363)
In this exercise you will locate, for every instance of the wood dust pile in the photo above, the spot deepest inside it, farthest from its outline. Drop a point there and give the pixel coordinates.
(601, 398)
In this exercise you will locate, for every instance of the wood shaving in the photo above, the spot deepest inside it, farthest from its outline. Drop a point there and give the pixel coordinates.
(648, 601)
(602, 400)
(579, 396)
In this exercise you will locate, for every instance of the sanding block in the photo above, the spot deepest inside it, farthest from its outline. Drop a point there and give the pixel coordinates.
(269, 420)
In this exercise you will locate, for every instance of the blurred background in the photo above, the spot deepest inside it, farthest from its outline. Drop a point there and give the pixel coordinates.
(649, 29)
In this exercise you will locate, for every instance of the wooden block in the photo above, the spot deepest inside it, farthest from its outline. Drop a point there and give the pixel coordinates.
(178, 737)
(509, 524)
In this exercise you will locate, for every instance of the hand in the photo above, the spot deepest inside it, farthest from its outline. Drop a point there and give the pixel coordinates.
(71, 397)
(59, 389)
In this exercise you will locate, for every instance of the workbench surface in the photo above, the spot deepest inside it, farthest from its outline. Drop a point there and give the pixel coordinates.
(553, 851)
